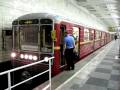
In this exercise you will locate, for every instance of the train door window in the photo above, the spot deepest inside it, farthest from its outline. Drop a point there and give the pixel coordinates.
(62, 33)
(86, 34)
(91, 34)
(15, 37)
(76, 37)
(45, 38)
(100, 35)
(103, 35)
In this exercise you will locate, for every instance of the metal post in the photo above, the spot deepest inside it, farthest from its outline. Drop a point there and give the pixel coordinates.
(119, 47)
(9, 81)
(50, 73)
(119, 52)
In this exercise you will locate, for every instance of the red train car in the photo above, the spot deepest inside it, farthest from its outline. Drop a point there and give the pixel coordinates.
(38, 35)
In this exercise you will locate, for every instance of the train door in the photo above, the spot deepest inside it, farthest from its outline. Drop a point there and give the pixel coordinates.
(46, 44)
(62, 33)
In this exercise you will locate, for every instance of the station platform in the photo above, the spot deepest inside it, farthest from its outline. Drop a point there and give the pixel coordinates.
(98, 71)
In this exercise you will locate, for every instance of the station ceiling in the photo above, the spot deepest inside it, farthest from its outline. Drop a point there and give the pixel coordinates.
(107, 10)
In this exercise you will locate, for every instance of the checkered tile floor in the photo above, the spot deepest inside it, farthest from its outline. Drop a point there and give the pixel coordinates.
(105, 76)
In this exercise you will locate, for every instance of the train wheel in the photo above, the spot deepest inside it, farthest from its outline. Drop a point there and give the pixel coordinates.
(25, 75)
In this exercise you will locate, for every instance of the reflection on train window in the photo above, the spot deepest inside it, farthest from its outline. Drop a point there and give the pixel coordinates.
(29, 35)
(86, 34)
(45, 38)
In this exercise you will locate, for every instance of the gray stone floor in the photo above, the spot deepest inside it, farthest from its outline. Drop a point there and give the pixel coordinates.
(98, 71)
(106, 75)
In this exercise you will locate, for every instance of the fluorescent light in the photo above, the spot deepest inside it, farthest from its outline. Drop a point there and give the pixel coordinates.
(111, 6)
(113, 11)
(114, 15)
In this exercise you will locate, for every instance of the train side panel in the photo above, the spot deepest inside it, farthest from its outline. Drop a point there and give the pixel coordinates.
(86, 42)
(56, 62)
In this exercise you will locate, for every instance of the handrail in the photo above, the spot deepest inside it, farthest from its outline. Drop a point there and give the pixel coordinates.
(46, 59)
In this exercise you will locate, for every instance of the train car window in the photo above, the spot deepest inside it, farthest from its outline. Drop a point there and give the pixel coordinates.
(97, 35)
(76, 37)
(45, 38)
(46, 21)
(86, 34)
(103, 35)
(100, 35)
(8, 32)
(31, 21)
(91, 34)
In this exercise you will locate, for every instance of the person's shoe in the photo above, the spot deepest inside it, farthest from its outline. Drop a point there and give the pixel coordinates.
(67, 69)
(72, 68)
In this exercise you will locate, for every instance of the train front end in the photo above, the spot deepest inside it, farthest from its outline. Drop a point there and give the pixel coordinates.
(32, 41)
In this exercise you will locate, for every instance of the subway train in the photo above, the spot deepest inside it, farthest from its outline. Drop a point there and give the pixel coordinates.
(39, 35)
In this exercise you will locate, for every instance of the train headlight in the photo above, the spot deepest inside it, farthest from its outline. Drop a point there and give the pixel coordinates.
(46, 59)
(35, 58)
(21, 56)
(13, 54)
(30, 57)
(26, 56)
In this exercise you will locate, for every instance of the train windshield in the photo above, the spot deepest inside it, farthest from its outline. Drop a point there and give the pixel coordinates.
(29, 37)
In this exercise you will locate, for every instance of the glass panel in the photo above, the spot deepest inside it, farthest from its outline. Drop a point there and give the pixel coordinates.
(16, 37)
(62, 34)
(103, 35)
(30, 21)
(45, 38)
(97, 35)
(76, 37)
(29, 37)
(46, 21)
(91, 34)
(86, 34)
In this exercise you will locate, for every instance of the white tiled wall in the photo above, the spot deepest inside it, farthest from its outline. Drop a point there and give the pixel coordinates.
(11, 9)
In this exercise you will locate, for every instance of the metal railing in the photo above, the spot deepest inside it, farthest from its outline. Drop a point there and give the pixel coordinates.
(119, 48)
(8, 72)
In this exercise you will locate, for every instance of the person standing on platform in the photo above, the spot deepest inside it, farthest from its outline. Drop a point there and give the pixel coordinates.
(69, 45)
(115, 36)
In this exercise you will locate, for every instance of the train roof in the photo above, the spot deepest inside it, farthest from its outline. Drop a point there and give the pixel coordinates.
(38, 16)
(56, 18)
